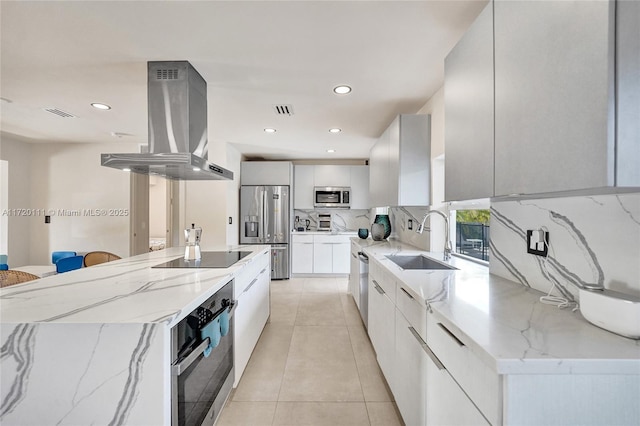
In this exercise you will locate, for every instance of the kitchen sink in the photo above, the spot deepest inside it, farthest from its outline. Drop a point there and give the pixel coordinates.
(418, 262)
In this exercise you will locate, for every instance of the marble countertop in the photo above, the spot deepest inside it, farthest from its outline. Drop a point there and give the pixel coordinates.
(123, 291)
(324, 232)
(510, 329)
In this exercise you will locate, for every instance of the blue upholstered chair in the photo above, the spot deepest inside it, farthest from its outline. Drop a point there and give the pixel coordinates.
(69, 264)
(57, 255)
(4, 267)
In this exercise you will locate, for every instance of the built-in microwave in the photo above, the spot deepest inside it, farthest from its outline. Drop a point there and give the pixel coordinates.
(334, 197)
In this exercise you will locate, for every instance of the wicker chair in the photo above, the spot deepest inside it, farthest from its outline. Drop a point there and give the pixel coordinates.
(12, 277)
(97, 257)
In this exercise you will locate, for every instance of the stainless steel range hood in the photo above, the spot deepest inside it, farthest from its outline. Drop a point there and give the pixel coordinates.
(178, 142)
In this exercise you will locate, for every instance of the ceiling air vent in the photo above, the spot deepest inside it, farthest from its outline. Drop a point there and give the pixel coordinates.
(59, 113)
(283, 109)
(167, 74)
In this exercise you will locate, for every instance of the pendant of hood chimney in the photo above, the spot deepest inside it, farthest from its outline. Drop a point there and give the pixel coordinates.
(177, 122)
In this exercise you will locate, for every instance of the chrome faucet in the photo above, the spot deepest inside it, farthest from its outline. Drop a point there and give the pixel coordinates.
(447, 242)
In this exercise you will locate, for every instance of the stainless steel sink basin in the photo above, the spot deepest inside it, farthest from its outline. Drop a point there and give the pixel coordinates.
(418, 262)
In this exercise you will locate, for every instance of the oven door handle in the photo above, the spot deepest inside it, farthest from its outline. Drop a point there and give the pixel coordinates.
(179, 368)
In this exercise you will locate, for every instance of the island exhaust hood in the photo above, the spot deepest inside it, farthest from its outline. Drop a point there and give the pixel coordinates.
(178, 142)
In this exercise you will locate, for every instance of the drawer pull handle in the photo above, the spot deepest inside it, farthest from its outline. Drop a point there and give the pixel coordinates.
(407, 293)
(453, 336)
(377, 287)
(255, 280)
(426, 349)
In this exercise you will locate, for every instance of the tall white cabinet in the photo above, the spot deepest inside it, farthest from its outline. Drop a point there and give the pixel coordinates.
(561, 80)
(306, 177)
(400, 163)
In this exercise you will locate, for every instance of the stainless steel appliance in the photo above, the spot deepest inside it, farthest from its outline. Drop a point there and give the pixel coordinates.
(265, 213)
(209, 259)
(364, 288)
(177, 120)
(202, 377)
(324, 222)
(334, 197)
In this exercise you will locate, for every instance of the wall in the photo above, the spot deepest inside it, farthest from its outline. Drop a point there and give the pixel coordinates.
(157, 207)
(209, 204)
(69, 179)
(18, 155)
(593, 239)
(4, 207)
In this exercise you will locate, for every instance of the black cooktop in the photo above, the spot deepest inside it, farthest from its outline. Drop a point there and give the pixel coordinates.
(210, 259)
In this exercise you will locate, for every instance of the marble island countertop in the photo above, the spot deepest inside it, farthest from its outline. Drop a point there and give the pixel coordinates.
(92, 346)
(124, 291)
(507, 325)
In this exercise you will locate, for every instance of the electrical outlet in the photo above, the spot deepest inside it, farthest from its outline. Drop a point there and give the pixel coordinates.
(538, 242)
(410, 224)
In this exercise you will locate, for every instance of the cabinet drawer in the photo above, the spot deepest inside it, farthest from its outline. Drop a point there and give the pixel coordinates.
(415, 314)
(331, 239)
(296, 238)
(478, 380)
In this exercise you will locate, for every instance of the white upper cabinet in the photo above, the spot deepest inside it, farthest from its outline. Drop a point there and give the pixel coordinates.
(332, 175)
(360, 187)
(555, 96)
(468, 93)
(400, 163)
(266, 173)
(306, 177)
(303, 187)
(628, 93)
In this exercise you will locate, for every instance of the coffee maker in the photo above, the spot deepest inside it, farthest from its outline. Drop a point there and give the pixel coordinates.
(192, 239)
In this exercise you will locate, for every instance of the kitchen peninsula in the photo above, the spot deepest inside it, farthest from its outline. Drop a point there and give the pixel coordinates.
(92, 346)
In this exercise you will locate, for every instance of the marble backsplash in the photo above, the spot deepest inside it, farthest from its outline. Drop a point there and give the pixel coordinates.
(592, 240)
(341, 219)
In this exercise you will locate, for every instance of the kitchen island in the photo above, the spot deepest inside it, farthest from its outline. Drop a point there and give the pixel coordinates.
(500, 356)
(92, 346)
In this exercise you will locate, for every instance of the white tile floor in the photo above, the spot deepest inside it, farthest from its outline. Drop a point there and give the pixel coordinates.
(313, 365)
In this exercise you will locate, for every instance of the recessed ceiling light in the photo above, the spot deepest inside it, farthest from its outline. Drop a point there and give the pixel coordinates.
(98, 105)
(126, 169)
(196, 169)
(331, 151)
(335, 130)
(269, 130)
(342, 90)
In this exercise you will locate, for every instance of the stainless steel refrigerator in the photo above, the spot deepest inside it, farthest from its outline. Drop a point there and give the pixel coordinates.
(265, 212)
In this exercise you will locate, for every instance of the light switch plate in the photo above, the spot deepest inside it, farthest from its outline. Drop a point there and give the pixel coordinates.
(538, 242)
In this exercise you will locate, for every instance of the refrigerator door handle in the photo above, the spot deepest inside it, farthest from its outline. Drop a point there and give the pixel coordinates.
(265, 219)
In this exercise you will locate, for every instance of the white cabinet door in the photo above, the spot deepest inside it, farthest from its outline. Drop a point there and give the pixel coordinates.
(360, 187)
(354, 273)
(332, 175)
(250, 317)
(302, 254)
(378, 169)
(266, 172)
(341, 255)
(303, 187)
(410, 380)
(554, 127)
(446, 403)
(322, 257)
(382, 328)
(468, 102)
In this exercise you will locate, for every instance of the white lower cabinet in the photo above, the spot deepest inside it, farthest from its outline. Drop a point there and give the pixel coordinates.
(251, 290)
(382, 327)
(410, 380)
(331, 254)
(302, 254)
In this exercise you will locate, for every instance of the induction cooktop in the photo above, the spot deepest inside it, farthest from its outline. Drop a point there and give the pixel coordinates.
(210, 259)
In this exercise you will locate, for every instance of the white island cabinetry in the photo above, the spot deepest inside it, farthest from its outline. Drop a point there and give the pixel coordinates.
(251, 291)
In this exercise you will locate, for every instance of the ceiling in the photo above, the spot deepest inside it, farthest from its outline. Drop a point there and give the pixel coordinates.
(253, 55)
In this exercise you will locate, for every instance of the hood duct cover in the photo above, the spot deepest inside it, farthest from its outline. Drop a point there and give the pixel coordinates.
(178, 140)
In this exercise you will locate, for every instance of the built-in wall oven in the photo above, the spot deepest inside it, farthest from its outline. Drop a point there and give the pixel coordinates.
(336, 197)
(202, 375)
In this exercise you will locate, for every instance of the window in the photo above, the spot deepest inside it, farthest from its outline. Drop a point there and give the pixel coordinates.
(471, 236)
